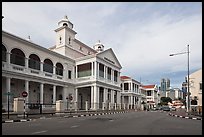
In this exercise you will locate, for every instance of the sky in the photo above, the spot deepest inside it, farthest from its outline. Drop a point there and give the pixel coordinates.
(141, 34)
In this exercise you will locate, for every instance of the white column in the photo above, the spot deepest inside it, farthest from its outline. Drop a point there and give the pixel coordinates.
(8, 90)
(76, 72)
(92, 70)
(104, 72)
(96, 97)
(112, 98)
(27, 90)
(54, 94)
(118, 78)
(76, 99)
(98, 70)
(153, 95)
(92, 97)
(105, 95)
(95, 69)
(41, 92)
(129, 85)
(65, 71)
(8, 57)
(118, 97)
(65, 94)
(26, 62)
(41, 66)
(54, 69)
(112, 75)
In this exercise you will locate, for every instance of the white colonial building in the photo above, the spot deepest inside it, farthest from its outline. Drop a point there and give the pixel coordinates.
(151, 93)
(131, 94)
(70, 68)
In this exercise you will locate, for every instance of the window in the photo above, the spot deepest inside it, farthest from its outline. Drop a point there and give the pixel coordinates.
(69, 74)
(115, 76)
(60, 40)
(69, 40)
(84, 70)
(80, 48)
(109, 73)
(149, 93)
(126, 85)
(101, 70)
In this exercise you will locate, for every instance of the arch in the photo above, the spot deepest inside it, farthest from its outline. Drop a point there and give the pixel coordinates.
(4, 50)
(17, 57)
(34, 62)
(48, 66)
(59, 69)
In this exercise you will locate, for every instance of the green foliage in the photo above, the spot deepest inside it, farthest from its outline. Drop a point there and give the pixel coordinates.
(165, 100)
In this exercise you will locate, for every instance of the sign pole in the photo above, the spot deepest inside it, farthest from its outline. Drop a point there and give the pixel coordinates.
(24, 109)
(24, 94)
(8, 104)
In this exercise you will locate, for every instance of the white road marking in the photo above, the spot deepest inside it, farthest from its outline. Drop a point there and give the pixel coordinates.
(74, 126)
(39, 132)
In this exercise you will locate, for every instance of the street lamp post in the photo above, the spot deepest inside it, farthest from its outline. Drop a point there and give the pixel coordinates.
(188, 89)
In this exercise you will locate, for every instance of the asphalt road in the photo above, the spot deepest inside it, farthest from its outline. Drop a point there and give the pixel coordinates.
(131, 123)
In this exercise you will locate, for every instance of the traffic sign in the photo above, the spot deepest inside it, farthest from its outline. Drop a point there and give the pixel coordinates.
(24, 94)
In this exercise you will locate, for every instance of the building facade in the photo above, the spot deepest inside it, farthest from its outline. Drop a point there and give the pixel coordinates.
(130, 93)
(195, 81)
(70, 68)
(151, 93)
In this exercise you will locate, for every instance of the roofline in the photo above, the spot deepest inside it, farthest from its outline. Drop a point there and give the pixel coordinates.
(36, 45)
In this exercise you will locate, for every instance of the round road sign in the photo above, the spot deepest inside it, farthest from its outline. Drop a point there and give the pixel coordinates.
(24, 94)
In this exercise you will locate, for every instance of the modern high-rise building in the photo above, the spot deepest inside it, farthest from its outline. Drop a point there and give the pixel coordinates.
(165, 84)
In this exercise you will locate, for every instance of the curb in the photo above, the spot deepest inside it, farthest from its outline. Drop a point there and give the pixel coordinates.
(187, 117)
(85, 115)
(68, 116)
(19, 120)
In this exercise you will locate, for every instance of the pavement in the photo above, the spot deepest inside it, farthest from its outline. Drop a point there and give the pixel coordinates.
(181, 113)
(13, 117)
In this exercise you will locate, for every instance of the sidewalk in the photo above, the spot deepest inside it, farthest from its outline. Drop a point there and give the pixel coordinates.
(13, 117)
(183, 114)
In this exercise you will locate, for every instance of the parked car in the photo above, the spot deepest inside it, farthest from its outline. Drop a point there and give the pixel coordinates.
(165, 108)
(173, 108)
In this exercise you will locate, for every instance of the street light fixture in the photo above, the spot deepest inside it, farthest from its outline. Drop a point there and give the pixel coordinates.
(188, 89)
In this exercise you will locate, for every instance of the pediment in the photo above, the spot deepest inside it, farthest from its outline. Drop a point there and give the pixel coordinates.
(109, 56)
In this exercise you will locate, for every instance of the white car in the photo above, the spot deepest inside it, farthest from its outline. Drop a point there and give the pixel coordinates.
(173, 108)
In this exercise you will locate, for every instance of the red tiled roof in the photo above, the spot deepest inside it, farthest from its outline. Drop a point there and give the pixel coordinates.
(148, 86)
(124, 77)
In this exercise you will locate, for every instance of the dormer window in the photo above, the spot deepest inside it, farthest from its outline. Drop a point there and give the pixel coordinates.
(80, 48)
(89, 53)
(65, 24)
(60, 40)
(69, 40)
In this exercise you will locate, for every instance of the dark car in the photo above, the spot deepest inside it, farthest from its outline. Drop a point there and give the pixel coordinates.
(165, 108)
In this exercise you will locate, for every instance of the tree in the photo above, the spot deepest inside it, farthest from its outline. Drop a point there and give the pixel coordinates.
(165, 100)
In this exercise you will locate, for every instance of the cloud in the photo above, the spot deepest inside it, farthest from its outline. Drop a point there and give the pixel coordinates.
(142, 35)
